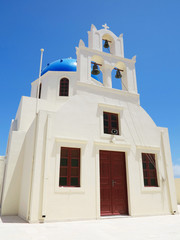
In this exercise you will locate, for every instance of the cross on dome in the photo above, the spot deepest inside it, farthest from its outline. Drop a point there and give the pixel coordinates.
(105, 26)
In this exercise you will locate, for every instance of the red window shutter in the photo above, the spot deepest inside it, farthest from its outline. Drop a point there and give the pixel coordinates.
(64, 87)
(69, 167)
(149, 170)
(111, 125)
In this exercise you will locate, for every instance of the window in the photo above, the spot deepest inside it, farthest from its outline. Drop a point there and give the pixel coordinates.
(64, 87)
(69, 167)
(149, 170)
(111, 123)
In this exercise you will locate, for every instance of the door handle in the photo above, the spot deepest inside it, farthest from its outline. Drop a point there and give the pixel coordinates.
(113, 182)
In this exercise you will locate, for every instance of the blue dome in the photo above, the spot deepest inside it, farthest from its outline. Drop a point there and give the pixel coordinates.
(65, 64)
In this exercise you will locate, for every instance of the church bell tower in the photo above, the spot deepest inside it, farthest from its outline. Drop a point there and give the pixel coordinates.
(106, 62)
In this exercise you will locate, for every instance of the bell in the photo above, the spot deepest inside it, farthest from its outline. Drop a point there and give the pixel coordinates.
(106, 44)
(118, 74)
(95, 70)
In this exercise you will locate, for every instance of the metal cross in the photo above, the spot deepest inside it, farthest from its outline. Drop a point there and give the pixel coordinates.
(105, 26)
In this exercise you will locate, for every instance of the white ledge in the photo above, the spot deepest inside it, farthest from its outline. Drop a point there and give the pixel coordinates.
(111, 90)
(66, 139)
(105, 105)
(119, 144)
(112, 56)
(69, 190)
(151, 190)
(148, 147)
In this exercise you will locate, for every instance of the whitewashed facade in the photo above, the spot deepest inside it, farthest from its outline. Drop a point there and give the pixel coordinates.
(43, 127)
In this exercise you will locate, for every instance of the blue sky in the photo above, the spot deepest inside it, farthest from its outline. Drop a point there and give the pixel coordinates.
(151, 32)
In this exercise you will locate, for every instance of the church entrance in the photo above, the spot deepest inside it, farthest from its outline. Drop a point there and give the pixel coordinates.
(113, 186)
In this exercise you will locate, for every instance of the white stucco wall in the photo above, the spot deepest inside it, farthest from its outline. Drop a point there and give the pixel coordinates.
(2, 167)
(12, 180)
(177, 184)
(77, 121)
(138, 134)
(27, 173)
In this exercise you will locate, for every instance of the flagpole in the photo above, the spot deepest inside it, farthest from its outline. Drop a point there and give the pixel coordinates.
(42, 50)
(40, 67)
(30, 206)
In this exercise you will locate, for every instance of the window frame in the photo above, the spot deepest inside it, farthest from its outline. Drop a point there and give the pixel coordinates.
(104, 107)
(110, 121)
(71, 143)
(149, 169)
(64, 90)
(69, 175)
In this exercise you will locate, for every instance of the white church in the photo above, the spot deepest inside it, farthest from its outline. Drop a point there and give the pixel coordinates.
(80, 149)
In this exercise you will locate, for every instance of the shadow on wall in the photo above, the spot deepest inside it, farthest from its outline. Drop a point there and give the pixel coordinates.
(11, 219)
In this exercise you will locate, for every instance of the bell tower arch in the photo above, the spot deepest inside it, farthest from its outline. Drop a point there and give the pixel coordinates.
(95, 38)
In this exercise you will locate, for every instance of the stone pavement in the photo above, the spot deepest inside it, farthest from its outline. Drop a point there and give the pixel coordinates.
(122, 228)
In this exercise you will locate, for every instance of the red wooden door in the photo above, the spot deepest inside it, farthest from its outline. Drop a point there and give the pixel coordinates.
(113, 187)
